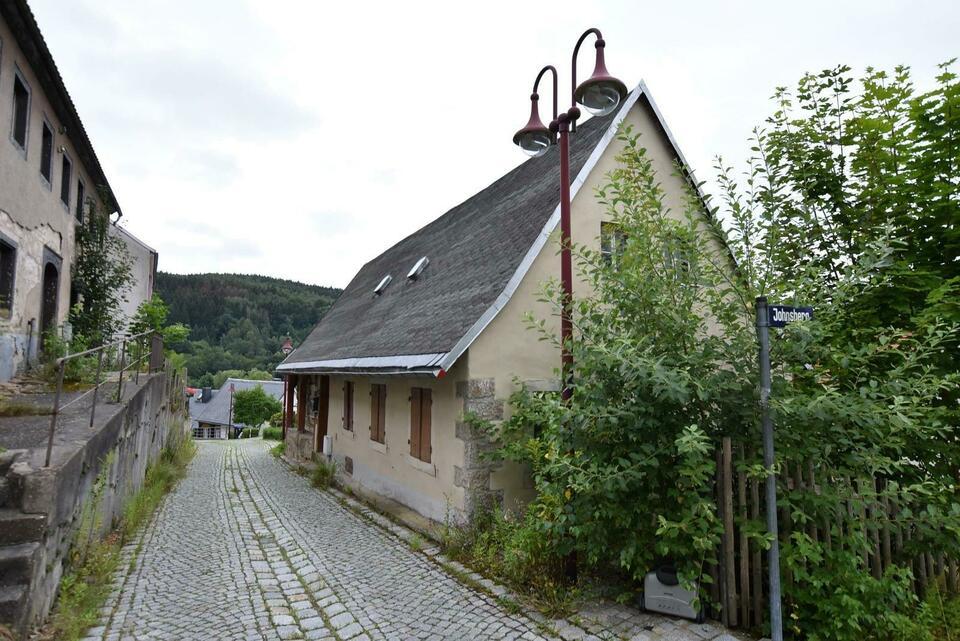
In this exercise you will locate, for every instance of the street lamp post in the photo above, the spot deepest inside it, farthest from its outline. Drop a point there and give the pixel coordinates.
(599, 94)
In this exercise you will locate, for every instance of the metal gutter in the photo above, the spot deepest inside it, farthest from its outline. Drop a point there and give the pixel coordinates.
(386, 365)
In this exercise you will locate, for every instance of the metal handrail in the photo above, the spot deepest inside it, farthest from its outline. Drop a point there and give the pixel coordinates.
(101, 350)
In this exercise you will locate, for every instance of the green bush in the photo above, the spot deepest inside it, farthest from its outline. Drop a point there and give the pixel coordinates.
(249, 432)
(323, 474)
(512, 549)
(277, 420)
(278, 449)
(272, 433)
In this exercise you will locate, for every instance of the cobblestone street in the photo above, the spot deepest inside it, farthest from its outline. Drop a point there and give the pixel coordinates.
(243, 548)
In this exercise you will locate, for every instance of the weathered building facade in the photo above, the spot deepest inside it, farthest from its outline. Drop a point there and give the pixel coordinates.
(143, 265)
(433, 330)
(49, 175)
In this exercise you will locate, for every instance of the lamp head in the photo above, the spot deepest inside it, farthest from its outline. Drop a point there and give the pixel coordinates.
(535, 138)
(600, 93)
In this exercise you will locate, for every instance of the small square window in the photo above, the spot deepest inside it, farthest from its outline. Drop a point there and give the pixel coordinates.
(613, 242)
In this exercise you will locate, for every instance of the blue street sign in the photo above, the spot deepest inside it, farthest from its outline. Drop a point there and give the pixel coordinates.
(782, 315)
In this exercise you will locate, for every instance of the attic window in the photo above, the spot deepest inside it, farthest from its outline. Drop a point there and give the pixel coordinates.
(383, 284)
(418, 267)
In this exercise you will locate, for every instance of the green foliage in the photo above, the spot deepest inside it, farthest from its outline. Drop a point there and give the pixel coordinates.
(512, 550)
(277, 419)
(101, 276)
(152, 315)
(239, 322)
(847, 205)
(272, 434)
(323, 474)
(278, 449)
(81, 370)
(254, 406)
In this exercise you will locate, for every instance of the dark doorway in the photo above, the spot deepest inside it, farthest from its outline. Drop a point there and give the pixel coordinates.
(48, 305)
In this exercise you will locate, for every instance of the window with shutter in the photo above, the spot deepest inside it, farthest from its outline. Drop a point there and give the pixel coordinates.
(348, 406)
(421, 403)
(378, 412)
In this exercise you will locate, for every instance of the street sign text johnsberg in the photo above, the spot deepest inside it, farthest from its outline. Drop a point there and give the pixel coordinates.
(782, 315)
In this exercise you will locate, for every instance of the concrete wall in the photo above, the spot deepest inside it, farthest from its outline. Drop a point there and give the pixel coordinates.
(144, 270)
(507, 349)
(31, 213)
(131, 436)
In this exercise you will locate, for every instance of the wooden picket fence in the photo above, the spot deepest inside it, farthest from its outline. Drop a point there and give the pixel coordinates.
(740, 576)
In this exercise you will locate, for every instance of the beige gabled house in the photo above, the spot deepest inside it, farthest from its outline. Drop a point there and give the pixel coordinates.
(434, 327)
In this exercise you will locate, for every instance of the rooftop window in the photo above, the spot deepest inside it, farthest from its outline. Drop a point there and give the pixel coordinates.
(418, 267)
(383, 284)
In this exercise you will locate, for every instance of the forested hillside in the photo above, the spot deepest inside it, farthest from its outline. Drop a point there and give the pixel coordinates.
(238, 322)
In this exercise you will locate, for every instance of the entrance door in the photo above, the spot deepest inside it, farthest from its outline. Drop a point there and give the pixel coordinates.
(323, 410)
(48, 304)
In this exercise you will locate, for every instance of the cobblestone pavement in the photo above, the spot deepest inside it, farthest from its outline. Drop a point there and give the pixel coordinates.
(244, 549)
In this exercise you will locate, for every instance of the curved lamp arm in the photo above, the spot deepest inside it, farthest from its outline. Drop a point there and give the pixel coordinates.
(536, 83)
(573, 70)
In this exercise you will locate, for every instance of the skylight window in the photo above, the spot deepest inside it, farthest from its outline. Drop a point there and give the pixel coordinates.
(383, 284)
(418, 267)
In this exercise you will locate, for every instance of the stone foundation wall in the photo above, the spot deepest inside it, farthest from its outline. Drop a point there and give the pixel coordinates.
(299, 448)
(131, 436)
(479, 400)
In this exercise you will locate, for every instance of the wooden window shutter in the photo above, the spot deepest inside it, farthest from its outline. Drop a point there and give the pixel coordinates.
(382, 418)
(374, 411)
(426, 410)
(415, 397)
(348, 406)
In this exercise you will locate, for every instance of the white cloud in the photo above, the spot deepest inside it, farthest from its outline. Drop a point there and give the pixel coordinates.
(307, 137)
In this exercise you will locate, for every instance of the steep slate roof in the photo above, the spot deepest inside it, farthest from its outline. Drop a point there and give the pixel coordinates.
(217, 410)
(477, 253)
(26, 31)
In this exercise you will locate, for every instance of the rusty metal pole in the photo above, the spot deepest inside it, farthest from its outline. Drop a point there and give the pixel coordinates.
(56, 412)
(96, 387)
(123, 355)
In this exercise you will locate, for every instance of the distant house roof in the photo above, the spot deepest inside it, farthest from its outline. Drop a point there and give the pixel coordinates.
(26, 31)
(477, 254)
(217, 410)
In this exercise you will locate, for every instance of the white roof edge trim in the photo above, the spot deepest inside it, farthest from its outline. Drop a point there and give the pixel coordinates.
(551, 224)
(405, 361)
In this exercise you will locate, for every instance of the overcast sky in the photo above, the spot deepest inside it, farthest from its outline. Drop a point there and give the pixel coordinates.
(301, 139)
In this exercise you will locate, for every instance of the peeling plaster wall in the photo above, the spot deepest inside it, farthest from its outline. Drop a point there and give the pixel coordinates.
(31, 212)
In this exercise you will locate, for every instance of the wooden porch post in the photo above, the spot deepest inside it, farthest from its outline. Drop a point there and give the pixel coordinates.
(289, 387)
(303, 387)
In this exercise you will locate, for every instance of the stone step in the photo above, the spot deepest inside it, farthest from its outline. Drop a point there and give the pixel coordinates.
(17, 527)
(12, 599)
(16, 563)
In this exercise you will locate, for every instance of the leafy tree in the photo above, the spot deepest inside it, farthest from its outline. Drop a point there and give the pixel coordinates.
(240, 321)
(152, 315)
(254, 407)
(850, 203)
(101, 277)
